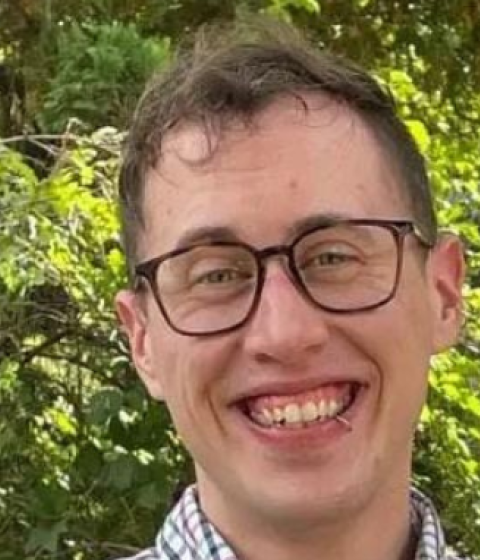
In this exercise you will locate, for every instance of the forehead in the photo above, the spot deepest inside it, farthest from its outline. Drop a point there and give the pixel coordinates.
(293, 159)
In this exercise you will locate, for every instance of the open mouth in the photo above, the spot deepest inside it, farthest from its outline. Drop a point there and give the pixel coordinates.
(298, 411)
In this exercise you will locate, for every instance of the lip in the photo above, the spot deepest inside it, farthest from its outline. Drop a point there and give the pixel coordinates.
(295, 387)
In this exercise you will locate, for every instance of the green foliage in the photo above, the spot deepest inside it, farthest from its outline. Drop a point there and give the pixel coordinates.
(447, 460)
(281, 8)
(87, 462)
(99, 72)
(80, 444)
(448, 446)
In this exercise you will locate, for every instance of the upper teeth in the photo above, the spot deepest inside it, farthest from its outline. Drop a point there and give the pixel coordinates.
(294, 413)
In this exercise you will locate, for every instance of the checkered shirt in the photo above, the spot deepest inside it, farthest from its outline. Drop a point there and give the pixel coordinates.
(188, 535)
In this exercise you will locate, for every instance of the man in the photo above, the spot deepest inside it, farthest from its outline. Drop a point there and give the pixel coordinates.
(289, 290)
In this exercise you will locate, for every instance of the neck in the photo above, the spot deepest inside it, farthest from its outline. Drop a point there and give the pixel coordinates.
(380, 531)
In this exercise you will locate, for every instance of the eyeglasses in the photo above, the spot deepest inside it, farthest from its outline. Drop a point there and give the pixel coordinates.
(345, 266)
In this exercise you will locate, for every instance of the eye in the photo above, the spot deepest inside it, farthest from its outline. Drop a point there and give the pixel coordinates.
(330, 256)
(219, 272)
(219, 276)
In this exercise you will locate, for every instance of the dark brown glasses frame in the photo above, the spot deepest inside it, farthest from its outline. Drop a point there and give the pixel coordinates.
(398, 228)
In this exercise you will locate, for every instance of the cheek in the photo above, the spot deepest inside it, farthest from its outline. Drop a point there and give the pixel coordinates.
(193, 375)
(398, 337)
(406, 324)
(400, 341)
(193, 372)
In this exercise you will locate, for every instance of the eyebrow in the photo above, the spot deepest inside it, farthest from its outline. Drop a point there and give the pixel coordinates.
(317, 220)
(207, 234)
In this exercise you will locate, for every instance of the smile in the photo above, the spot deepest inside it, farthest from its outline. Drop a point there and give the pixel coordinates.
(303, 409)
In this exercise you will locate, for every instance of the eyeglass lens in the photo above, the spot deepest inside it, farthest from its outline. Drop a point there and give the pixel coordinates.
(342, 267)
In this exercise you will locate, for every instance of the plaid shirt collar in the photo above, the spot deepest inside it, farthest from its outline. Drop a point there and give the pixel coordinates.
(188, 535)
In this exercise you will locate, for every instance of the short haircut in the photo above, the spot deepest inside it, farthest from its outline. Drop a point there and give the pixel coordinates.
(230, 75)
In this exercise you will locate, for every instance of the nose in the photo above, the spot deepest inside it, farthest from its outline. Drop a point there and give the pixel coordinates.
(286, 328)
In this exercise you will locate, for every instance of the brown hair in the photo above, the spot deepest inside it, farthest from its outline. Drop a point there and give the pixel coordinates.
(226, 76)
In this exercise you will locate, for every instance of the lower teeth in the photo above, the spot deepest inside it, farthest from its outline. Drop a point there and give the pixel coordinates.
(302, 424)
(294, 425)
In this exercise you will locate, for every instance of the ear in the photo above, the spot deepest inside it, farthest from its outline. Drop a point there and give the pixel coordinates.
(132, 314)
(447, 273)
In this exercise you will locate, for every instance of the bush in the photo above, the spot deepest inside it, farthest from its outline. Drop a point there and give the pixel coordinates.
(99, 71)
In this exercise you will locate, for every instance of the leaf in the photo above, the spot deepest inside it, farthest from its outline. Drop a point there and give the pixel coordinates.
(120, 472)
(473, 405)
(420, 133)
(45, 537)
(104, 404)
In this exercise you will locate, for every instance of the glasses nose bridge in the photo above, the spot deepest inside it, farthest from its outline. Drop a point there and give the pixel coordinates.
(278, 251)
(290, 270)
(275, 251)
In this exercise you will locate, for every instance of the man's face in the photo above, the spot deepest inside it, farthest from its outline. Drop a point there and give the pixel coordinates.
(259, 184)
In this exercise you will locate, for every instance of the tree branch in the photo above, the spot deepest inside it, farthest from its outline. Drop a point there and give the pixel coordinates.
(38, 350)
